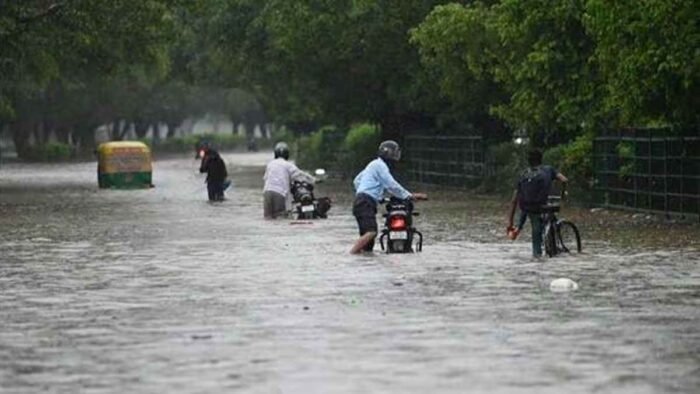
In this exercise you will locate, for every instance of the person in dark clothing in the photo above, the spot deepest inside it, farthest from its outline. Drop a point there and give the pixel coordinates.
(215, 168)
(531, 191)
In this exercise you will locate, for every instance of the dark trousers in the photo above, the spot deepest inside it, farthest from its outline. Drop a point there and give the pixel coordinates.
(537, 228)
(365, 211)
(274, 205)
(215, 190)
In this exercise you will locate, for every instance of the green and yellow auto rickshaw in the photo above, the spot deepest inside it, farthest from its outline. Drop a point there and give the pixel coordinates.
(124, 165)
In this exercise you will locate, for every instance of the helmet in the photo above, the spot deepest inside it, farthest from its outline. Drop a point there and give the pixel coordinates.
(282, 150)
(390, 150)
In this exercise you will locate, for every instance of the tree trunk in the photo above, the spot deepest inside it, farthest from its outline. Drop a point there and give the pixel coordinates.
(124, 129)
(156, 132)
(20, 136)
(85, 136)
(115, 130)
(140, 128)
(63, 134)
(39, 133)
(170, 130)
(249, 129)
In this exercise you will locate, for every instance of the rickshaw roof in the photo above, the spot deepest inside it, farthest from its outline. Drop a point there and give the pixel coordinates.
(115, 145)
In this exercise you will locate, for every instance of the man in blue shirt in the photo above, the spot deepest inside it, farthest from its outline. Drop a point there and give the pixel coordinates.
(370, 186)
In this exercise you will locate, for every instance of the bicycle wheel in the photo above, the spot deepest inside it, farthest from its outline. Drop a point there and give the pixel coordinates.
(568, 236)
(549, 240)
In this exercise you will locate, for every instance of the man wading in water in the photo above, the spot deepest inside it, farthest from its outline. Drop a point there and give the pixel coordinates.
(531, 195)
(370, 186)
(278, 178)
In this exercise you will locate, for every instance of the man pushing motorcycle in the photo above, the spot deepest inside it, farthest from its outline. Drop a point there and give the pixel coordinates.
(370, 186)
(278, 178)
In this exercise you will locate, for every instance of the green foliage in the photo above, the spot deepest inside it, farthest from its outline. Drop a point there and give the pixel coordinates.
(70, 41)
(187, 143)
(358, 148)
(505, 162)
(50, 152)
(555, 69)
(320, 148)
(458, 47)
(575, 161)
(648, 55)
(342, 152)
(337, 62)
(560, 68)
(625, 153)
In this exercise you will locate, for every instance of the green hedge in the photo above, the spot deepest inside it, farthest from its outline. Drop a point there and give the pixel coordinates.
(358, 148)
(52, 151)
(575, 161)
(188, 142)
(343, 152)
(321, 148)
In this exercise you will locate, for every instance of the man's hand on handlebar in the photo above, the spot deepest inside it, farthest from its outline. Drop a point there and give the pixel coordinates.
(419, 196)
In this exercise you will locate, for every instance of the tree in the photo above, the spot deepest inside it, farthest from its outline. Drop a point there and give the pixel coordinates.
(69, 50)
(649, 54)
(325, 61)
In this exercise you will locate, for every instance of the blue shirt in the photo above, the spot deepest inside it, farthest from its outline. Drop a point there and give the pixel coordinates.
(376, 179)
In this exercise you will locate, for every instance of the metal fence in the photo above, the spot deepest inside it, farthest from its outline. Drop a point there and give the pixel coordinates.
(652, 170)
(445, 160)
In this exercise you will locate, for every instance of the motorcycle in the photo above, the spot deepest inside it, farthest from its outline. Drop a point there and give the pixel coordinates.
(306, 206)
(398, 227)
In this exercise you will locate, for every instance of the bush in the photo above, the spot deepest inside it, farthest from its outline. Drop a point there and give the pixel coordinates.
(574, 160)
(188, 142)
(358, 148)
(321, 148)
(504, 163)
(51, 151)
(342, 152)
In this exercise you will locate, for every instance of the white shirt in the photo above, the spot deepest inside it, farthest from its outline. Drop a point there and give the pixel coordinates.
(279, 175)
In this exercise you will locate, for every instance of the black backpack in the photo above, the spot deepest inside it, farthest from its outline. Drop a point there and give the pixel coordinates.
(533, 188)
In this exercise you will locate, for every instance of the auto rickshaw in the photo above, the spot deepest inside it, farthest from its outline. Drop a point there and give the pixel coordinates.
(124, 165)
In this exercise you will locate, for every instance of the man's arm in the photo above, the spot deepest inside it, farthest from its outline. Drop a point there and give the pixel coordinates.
(564, 180)
(390, 184)
(513, 206)
(297, 174)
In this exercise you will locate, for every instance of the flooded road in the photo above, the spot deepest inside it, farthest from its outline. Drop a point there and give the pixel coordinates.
(159, 291)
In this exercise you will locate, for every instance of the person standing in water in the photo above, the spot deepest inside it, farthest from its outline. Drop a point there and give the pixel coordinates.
(279, 174)
(370, 186)
(215, 168)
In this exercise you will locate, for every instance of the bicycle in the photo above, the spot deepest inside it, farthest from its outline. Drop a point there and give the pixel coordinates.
(559, 235)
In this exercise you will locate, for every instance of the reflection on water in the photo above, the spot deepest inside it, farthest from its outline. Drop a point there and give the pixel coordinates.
(159, 291)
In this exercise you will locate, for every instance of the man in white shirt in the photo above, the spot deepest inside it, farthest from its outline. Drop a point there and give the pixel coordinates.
(279, 175)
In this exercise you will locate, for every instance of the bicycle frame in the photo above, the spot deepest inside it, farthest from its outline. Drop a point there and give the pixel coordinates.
(552, 239)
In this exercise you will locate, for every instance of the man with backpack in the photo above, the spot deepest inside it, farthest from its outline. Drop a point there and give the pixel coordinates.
(532, 190)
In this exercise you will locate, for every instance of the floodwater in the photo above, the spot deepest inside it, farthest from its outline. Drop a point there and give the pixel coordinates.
(159, 291)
